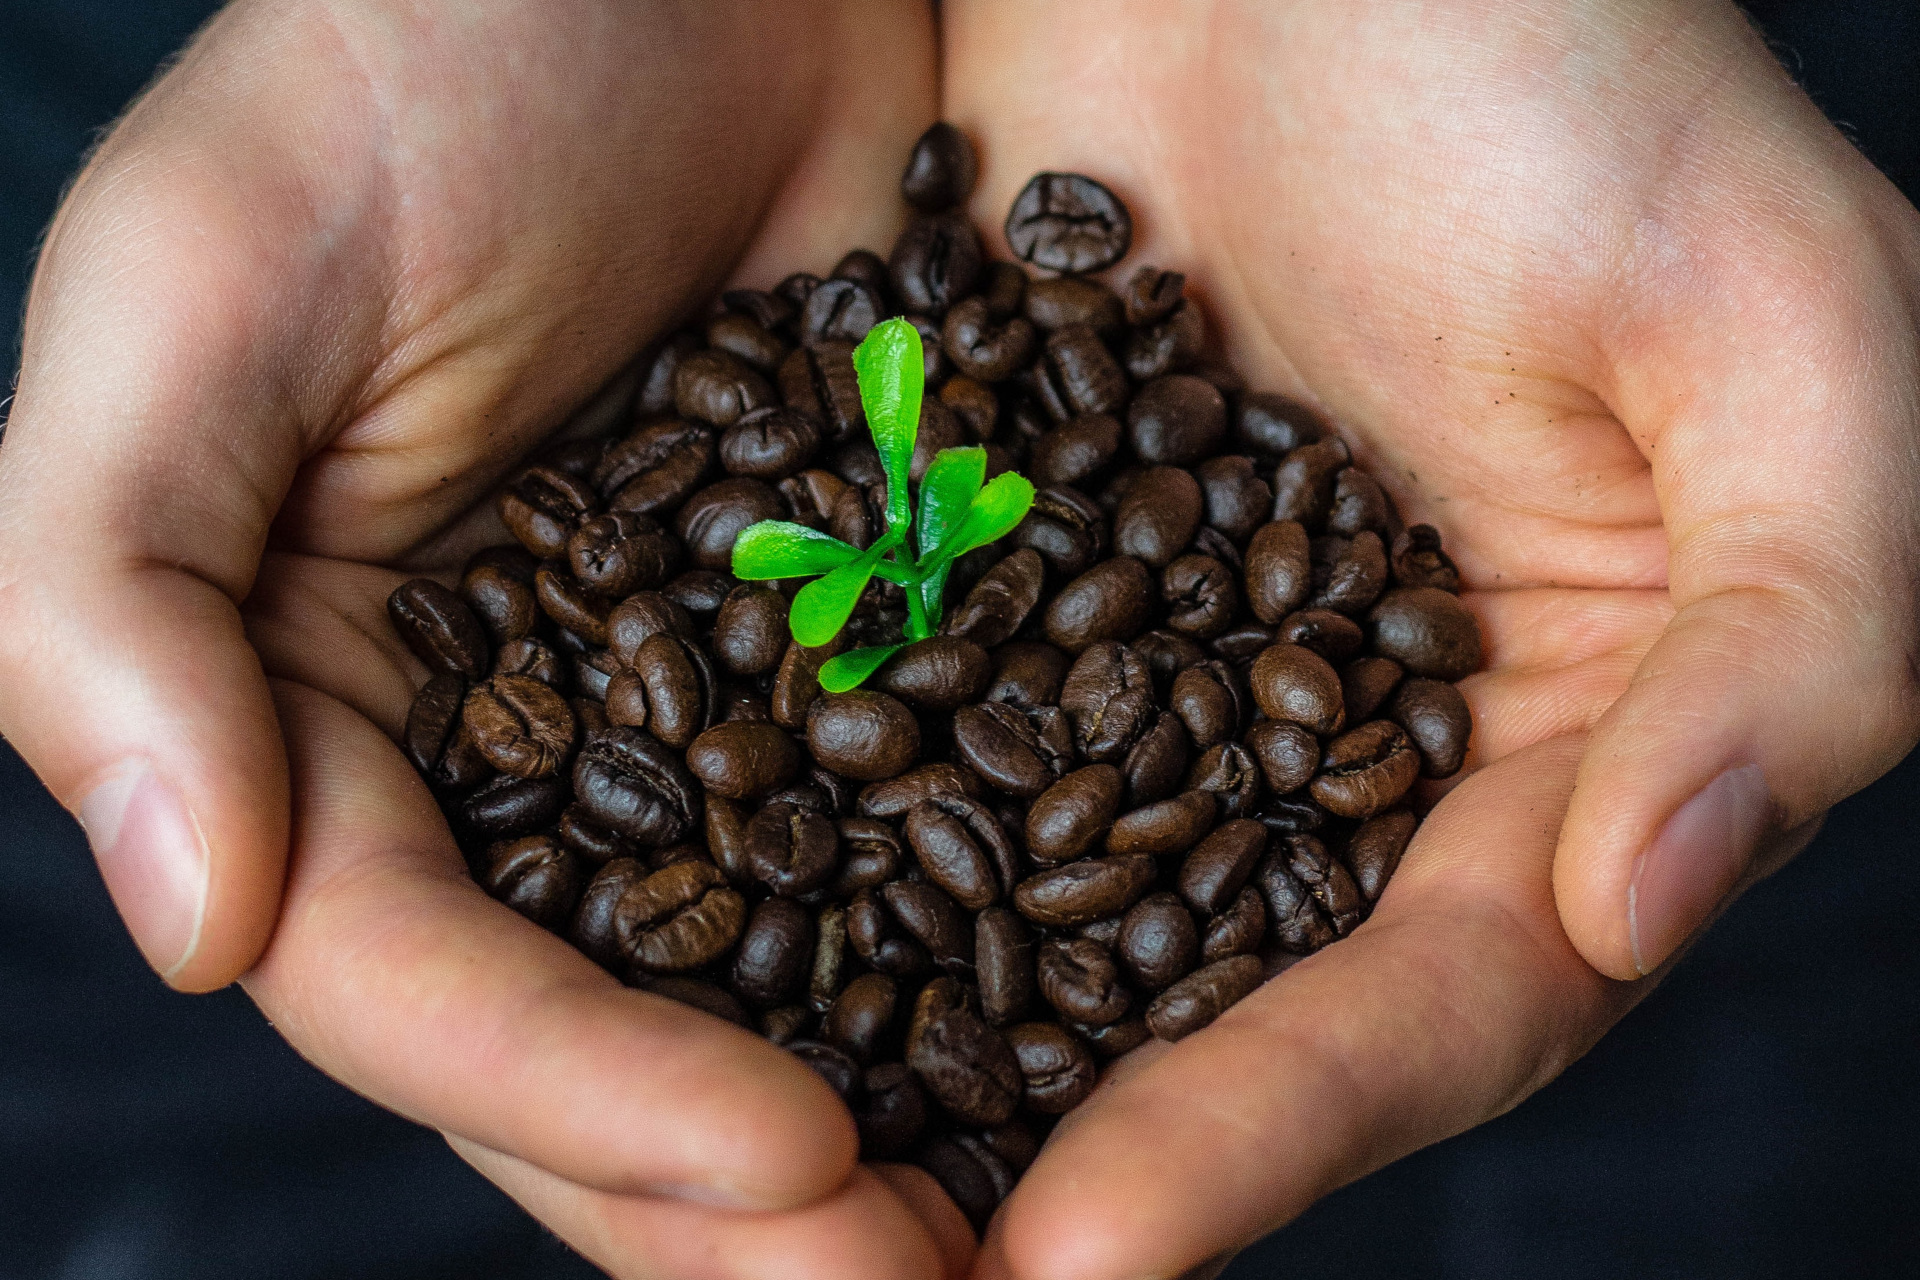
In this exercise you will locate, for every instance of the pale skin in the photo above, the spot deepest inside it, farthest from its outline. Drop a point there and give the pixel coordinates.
(1591, 286)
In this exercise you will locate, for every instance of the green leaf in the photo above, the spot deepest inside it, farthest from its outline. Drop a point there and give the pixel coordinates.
(823, 606)
(837, 675)
(892, 376)
(933, 589)
(992, 514)
(777, 549)
(946, 493)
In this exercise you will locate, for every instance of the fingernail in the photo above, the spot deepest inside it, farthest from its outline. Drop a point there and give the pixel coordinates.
(154, 859)
(1693, 864)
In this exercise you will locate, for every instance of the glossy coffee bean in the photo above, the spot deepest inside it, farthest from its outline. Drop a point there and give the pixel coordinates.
(592, 842)
(744, 759)
(940, 171)
(750, 634)
(832, 958)
(1067, 529)
(935, 921)
(718, 388)
(1069, 223)
(1079, 978)
(1084, 891)
(1304, 483)
(1021, 750)
(1374, 851)
(935, 262)
(893, 797)
(1297, 924)
(700, 994)
(942, 673)
(1366, 770)
(1212, 875)
(1427, 631)
(542, 506)
(747, 340)
(1213, 702)
(1027, 673)
(1359, 503)
(652, 471)
(968, 1067)
(962, 848)
(860, 1016)
(1159, 943)
(521, 726)
(1418, 561)
(1333, 636)
(1353, 576)
(1331, 885)
(1060, 1072)
(872, 854)
(1272, 426)
(1237, 500)
(893, 1112)
(1365, 683)
(1228, 772)
(536, 658)
(642, 616)
(770, 443)
(1076, 451)
(616, 554)
(679, 918)
(713, 519)
(593, 929)
(1200, 595)
(537, 876)
(1176, 421)
(501, 600)
(437, 625)
(973, 1177)
(700, 592)
(862, 734)
(505, 807)
(1108, 698)
(1109, 602)
(1288, 754)
(1004, 959)
(1436, 718)
(571, 606)
(986, 347)
(1156, 763)
(1279, 570)
(1197, 999)
(1072, 816)
(1237, 931)
(878, 938)
(680, 688)
(1159, 516)
(841, 311)
(435, 738)
(1165, 826)
(1076, 375)
(840, 1071)
(656, 384)
(775, 953)
(1170, 346)
(1296, 685)
(997, 605)
(1071, 300)
(632, 783)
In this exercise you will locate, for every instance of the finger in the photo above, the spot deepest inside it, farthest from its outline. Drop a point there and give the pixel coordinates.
(1768, 367)
(392, 972)
(862, 1231)
(952, 1234)
(1458, 998)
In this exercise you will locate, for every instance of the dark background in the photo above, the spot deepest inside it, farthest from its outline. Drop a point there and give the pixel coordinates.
(1755, 1118)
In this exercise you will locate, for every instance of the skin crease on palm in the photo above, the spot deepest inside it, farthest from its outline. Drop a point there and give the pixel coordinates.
(1590, 286)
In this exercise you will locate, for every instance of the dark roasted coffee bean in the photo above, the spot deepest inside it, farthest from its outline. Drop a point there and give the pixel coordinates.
(961, 847)
(1108, 698)
(1297, 923)
(1200, 997)
(750, 631)
(1167, 654)
(935, 921)
(1365, 683)
(1066, 528)
(1353, 576)
(1237, 931)
(596, 844)
(810, 496)
(940, 171)
(537, 876)
(1027, 673)
(839, 1070)
(872, 856)
(679, 918)
(1078, 978)
(1059, 1070)
(621, 552)
(1373, 853)
(654, 470)
(700, 592)
(1004, 960)
(1333, 889)
(942, 673)
(719, 388)
(625, 699)
(1166, 826)
(968, 1067)
(974, 403)
(1304, 484)
(999, 603)
(436, 740)
(841, 311)
(860, 1016)
(1273, 426)
(1076, 374)
(1172, 345)
(863, 266)
(1068, 223)
(1108, 602)
(747, 340)
(770, 443)
(1436, 718)
(521, 726)
(641, 617)
(939, 430)
(893, 1113)
(973, 1177)
(529, 657)
(1214, 872)
(1071, 300)
(1279, 570)
(1176, 421)
(1158, 942)
(832, 958)
(505, 807)
(656, 384)
(1228, 772)
(542, 506)
(1288, 754)
(771, 311)
(1157, 762)
(1070, 818)
(1021, 750)
(631, 782)
(501, 600)
(679, 687)
(1359, 503)
(1076, 451)
(1427, 631)
(862, 734)
(797, 683)
(699, 994)
(1297, 685)
(744, 759)
(1116, 1038)
(1084, 891)
(788, 1023)
(1418, 560)
(935, 263)
(1213, 701)
(1152, 295)
(714, 518)
(570, 605)
(1237, 500)
(437, 625)
(893, 797)
(1159, 516)
(1366, 769)
(820, 378)
(594, 930)
(878, 938)
(983, 346)
(1334, 636)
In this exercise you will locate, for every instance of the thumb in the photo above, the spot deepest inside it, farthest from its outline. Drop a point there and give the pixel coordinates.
(1772, 386)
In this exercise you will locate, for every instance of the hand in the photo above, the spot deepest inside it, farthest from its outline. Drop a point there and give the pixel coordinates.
(315, 295)
(1596, 290)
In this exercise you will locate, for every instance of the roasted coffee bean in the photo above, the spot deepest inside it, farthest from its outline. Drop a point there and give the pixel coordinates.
(714, 518)
(1176, 421)
(939, 430)
(1159, 516)
(1365, 683)
(1418, 560)
(941, 170)
(652, 472)
(1108, 698)
(1079, 979)
(841, 311)
(1304, 484)
(1154, 351)
(1108, 602)
(1018, 749)
(631, 782)
(862, 735)
(999, 603)
(1287, 753)
(699, 994)
(747, 340)
(1116, 1038)
(505, 807)
(1427, 631)
(1066, 528)
(893, 1113)
(439, 628)
(973, 402)
(968, 1067)
(820, 378)
(935, 921)
(619, 553)
(893, 797)
(1228, 772)
(656, 384)
(596, 844)
(1152, 295)
(502, 600)
(521, 726)
(719, 388)
(700, 592)
(679, 687)
(771, 311)
(642, 616)
(1004, 960)
(832, 958)
(1165, 826)
(625, 699)
(1237, 500)
(1070, 818)
(1158, 942)
(983, 346)
(860, 1016)
(1076, 451)
(1076, 374)
(810, 496)
(594, 930)
(935, 262)
(744, 759)
(1237, 931)
(1068, 223)
(1297, 686)
(542, 506)
(941, 673)
(1366, 769)
(679, 918)
(1155, 765)
(1060, 1072)
(1279, 570)
(537, 876)
(529, 657)
(770, 443)
(775, 954)
(435, 738)
(797, 683)
(839, 1070)
(1436, 718)
(1374, 851)
(1272, 425)
(878, 938)
(1333, 889)
(1333, 636)
(1297, 924)
(750, 631)
(1213, 873)
(962, 848)
(1213, 701)
(1200, 997)
(1084, 891)
(788, 1023)
(570, 605)
(872, 856)
(973, 1177)
(1167, 654)
(1354, 577)
(1359, 503)
(1027, 673)
(792, 851)
(859, 516)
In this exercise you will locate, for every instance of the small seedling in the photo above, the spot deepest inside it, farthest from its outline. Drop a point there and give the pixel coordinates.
(957, 513)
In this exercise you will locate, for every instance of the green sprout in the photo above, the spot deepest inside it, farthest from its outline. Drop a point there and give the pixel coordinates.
(958, 512)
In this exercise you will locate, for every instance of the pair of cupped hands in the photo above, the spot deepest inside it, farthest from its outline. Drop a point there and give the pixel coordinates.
(1591, 286)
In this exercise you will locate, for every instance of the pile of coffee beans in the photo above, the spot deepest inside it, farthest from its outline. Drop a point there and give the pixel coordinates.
(1163, 747)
